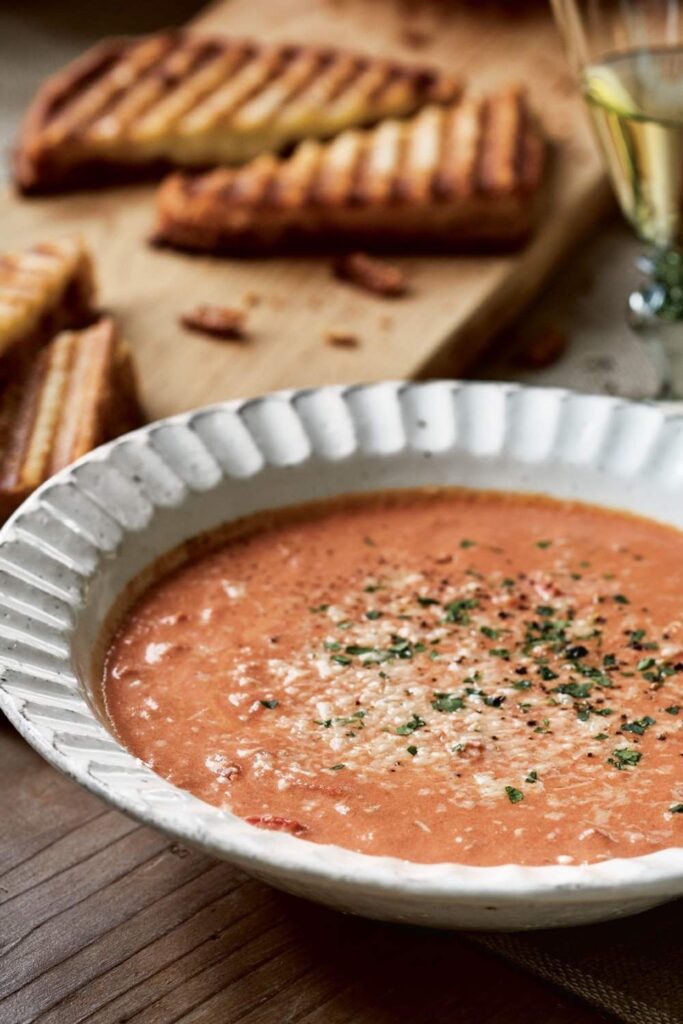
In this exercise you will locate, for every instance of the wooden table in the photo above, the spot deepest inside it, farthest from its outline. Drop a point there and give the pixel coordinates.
(104, 921)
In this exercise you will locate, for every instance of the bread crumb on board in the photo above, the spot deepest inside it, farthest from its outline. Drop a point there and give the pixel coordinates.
(542, 348)
(372, 274)
(416, 37)
(341, 337)
(225, 322)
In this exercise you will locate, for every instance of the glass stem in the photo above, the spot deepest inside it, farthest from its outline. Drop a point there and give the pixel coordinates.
(656, 314)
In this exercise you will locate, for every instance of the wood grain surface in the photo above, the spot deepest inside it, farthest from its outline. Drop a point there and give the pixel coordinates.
(104, 921)
(456, 303)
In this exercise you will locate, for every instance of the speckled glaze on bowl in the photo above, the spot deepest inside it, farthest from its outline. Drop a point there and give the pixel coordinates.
(72, 548)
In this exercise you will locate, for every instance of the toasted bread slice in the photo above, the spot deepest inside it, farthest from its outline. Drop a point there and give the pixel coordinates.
(43, 290)
(129, 105)
(78, 393)
(449, 177)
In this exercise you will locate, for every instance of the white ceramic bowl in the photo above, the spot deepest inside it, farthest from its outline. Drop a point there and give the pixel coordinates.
(76, 543)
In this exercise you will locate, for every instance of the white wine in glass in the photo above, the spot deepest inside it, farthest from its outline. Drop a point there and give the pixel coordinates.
(629, 59)
(636, 104)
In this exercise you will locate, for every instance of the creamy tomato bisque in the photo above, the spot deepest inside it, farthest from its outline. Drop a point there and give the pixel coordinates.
(443, 676)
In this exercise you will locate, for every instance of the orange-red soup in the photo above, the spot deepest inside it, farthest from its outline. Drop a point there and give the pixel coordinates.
(453, 675)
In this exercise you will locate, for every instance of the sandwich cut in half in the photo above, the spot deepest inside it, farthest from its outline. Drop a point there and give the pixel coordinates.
(43, 289)
(77, 393)
(451, 177)
(130, 106)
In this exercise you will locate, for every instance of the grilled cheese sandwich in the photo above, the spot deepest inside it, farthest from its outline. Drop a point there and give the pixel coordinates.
(184, 99)
(451, 176)
(43, 289)
(76, 394)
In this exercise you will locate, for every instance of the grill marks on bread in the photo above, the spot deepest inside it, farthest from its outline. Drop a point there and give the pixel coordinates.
(43, 289)
(193, 100)
(78, 393)
(463, 172)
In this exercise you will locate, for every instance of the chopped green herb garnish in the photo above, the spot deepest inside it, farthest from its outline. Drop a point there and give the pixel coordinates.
(578, 690)
(639, 726)
(532, 777)
(514, 795)
(337, 767)
(373, 614)
(410, 726)
(659, 674)
(356, 651)
(543, 543)
(331, 645)
(545, 609)
(447, 702)
(500, 652)
(621, 599)
(548, 631)
(425, 602)
(673, 709)
(547, 673)
(492, 634)
(522, 684)
(351, 719)
(412, 750)
(609, 661)
(456, 611)
(341, 659)
(508, 582)
(400, 647)
(269, 703)
(593, 673)
(354, 719)
(676, 809)
(602, 736)
(624, 757)
(319, 608)
(645, 663)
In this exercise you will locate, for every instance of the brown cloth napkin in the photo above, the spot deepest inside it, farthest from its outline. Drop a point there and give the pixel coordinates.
(632, 967)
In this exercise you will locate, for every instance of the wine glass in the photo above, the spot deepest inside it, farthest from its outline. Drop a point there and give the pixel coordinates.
(628, 55)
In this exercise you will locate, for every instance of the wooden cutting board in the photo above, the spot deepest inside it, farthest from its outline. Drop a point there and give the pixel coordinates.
(456, 303)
